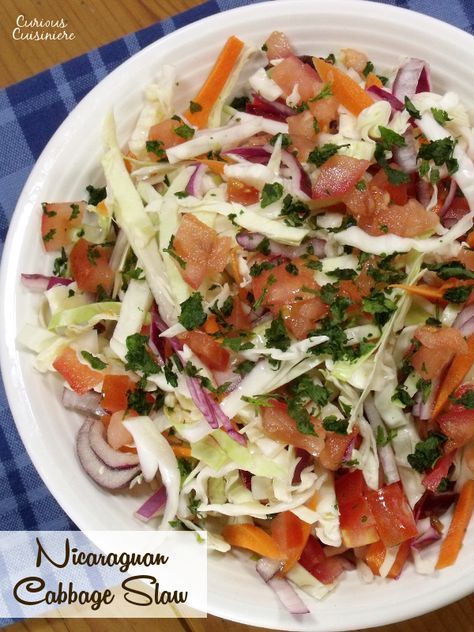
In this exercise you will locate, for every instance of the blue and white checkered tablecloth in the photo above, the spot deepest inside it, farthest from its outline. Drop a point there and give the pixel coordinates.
(30, 112)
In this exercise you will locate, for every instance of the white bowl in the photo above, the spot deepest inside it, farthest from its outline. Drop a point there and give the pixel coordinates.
(70, 161)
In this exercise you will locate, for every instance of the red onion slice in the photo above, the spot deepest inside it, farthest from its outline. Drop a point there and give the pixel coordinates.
(250, 242)
(158, 326)
(424, 191)
(467, 328)
(449, 198)
(99, 472)
(268, 568)
(275, 110)
(453, 215)
(246, 478)
(114, 459)
(88, 403)
(386, 455)
(297, 173)
(252, 154)
(405, 156)
(384, 95)
(426, 538)
(41, 283)
(152, 506)
(306, 459)
(424, 82)
(464, 316)
(434, 504)
(407, 78)
(287, 595)
(194, 186)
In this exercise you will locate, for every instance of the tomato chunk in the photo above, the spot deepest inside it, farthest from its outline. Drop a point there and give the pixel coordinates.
(338, 176)
(393, 517)
(278, 425)
(278, 46)
(58, 223)
(201, 249)
(335, 446)
(238, 191)
(165, 135)
(80, 377)
(90, 267)
(293, 72)
(115, 389)
(439, 345)
(356, 519)
(291, 535)
(325, 569)
(280, 287)
(207, 349)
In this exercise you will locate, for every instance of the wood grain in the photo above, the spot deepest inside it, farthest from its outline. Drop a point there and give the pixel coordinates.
(96, 22)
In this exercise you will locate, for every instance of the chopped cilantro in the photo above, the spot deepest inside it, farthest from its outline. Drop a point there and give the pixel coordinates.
(458, 294)
(156, 147)
(440, 116)
(411, 109)
(451, 269)
(305, 387)
(285, 140)
(291, 269)
(347, 222)
(94, 361)
(389, 138)
(369, 67)
(138, 358)
(401, 394)
(181, 194)
(264, 246)
(49, 235)
(301, 416)
(383, 437)
(170, 375)
(427, 452)
(361, 185)
(185, 468)
(93, 254)
(265, 400)
(330, 59)
(240, 103)
(256, 269)
(319, 155)
(440, 152)
(343, 274)
(325, 92)
(184, 131)
(137, 401)
(333, 424)
(294, 211)
(194, 107)
(44, 206)
(74, 211)
(172, 253)
(271, 193)
(238, 343)
(244, 367)
(466, 399)
(60, 264)
(192, 312)
(96, 195)
(379, 305)
(276, 335)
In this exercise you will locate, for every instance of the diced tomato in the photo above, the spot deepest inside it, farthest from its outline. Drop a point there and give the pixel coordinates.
(278, 46)
(80, 377)
(90, 266)
(394, 519)
(354, 59)
(239, 318)
(458, 425)
(302, 146)
(164, 132)
(466, 257)
(291, 72)
(58, 223)
(301, 317)
(278, 425)
(214, 355)
(117, 435)
(335, 446)
(280, 287)
(440, 471)
(324, 111)
(439, 346)
(241, 193)
(202, 250)
(115, 389)
(291, 535)
(337, 177)
(398, 192)
(356, 519)
(325, 569)
(302, 124)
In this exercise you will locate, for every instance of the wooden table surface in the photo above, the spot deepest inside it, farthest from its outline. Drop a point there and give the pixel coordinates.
(96, 22)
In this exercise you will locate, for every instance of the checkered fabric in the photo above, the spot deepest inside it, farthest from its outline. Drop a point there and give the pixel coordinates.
(30, 112)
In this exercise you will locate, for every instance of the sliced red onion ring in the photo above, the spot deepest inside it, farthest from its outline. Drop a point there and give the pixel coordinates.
(407, 78)
(41, 283)
(252, 154)
(434, 504)
(275, 110)
(268, 568)
(250, 242)
(468, 328)
(158, 326)
(306, 459)
(453, 215)
(152, 506)
(297, 173)
(424, 82)
(449, 198)
(99, 472)
(426, 538)
(246, 478)
(287, 595)
(464, 316)
(405, 156)
(387, 458)
(88, 403)
(384, 95)
(194, 186)
(114, 459)
(424, 191)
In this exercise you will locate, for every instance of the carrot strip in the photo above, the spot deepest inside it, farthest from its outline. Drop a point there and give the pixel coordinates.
(399, 563)
(456, 373)
(216, 166)
(373, 80)
(375, 557)
(470, 239)
(211, 326)
(345, 89)
(452, 543)
(248, 536)
(181, 451)
(425, 291)
(214, 84)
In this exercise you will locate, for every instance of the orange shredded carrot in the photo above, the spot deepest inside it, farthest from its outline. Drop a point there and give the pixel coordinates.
(456, 373)
(375, 557)
(470, 239)
(215, 82)
(345, 89)
(181, 451)
(373, 80)
(211, 326)
(452, 543)
(248, 536)
(429, 292)
(128, 163)
(216, 166)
